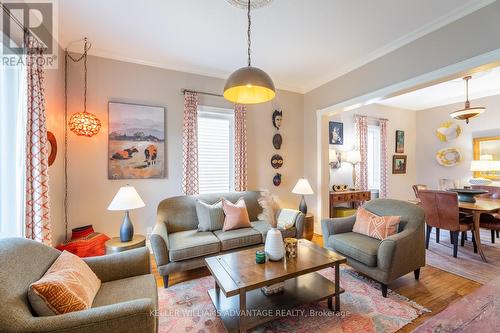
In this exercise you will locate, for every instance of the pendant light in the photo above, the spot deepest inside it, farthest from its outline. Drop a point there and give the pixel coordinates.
(249, 85)
(83, 123)
(467, 112)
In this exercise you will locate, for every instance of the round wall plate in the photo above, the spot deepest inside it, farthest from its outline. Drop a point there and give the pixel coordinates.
(448, 131)
(449, 157)
(277, 161)
(277, 141)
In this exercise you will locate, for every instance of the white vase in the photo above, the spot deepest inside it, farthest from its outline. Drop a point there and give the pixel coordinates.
(274, 248)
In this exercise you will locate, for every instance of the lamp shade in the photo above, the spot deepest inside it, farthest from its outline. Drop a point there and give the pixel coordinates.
(352, 156)
(484, 165)
(249, 85)
(302, 187)
(127, 198)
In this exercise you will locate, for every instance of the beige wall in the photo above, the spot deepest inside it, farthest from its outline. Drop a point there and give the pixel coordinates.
(399, 119)
(471, 36)
(108, 80)
(429, 171)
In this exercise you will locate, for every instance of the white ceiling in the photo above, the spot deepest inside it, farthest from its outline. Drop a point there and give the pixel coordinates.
(481, 85)
(301, 44)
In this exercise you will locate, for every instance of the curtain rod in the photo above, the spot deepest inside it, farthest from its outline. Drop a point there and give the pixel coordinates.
(375, 118)
(201, 92)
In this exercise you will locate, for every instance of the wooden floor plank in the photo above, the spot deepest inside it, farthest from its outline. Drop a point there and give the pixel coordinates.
(435, 290)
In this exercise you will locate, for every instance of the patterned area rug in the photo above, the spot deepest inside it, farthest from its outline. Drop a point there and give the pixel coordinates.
(475, 313)
(467, 264)
(186, 307)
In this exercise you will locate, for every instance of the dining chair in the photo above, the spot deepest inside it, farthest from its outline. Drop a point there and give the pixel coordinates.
(419, 187)
(490, 221)
(441, 211)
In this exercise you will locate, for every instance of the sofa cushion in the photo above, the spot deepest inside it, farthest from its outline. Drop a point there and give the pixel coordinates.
(136, 287)
(263, 227)
(210, 217)
(189, 244)
(356, 246)
(233, 239)
(373, 225)
(236, 215)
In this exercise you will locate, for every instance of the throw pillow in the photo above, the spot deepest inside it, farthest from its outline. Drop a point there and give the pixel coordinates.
(375, 226)
(286, 218)
(69, 285)
(210, 217)
(236, 215)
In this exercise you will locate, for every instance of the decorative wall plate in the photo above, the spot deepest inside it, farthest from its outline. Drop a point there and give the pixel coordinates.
(53, 147)
(448, 157)
(277, 179)
(277, 141)
(277, 161)
(448, 131)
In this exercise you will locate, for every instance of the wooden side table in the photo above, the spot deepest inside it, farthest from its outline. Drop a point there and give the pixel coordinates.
(115, 245)
(309, 226)
(354, 198)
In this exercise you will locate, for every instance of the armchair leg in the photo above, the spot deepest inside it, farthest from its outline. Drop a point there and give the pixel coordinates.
(437, 235)
(417, 273)
(384, 289)
(165, 281)
(498, 234)
(474, 243)
(455, 242)
(428, 236)
(492, 236)
(451, 237)
(462, 240)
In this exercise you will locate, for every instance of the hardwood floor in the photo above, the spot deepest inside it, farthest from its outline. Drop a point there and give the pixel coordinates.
(435, 290)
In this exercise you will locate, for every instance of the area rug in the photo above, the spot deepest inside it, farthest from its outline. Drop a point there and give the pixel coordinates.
(186, 307)
(467, 264)
(476, 312)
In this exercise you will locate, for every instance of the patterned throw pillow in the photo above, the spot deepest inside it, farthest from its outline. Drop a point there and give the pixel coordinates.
(236, 215)
(375, 226)
(210, 217)
(69, 285)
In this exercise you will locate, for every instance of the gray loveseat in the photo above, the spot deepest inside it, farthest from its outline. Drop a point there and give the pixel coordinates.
(124, 303)
(382, 260)
(179, 246)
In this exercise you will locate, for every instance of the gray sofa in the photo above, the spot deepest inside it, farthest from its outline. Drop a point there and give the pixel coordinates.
(382, 260)
(124, 302)
(178, 245)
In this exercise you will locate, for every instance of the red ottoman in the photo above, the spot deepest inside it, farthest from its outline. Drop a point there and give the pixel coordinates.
(85, 242)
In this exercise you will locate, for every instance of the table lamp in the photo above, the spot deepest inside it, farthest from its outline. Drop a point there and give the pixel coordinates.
(126, 199)
(302, 187)
(480, 166)
(353, 157)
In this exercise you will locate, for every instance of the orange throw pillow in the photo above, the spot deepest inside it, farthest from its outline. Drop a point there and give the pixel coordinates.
(69, 285)
(375, 226)
(236, 215)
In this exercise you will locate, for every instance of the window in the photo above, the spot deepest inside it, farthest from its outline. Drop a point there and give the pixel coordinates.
(215, 149)
(12, 148)
(373, 157)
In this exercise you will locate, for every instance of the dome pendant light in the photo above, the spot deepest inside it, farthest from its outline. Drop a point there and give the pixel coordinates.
(249, 85)
(467, 112)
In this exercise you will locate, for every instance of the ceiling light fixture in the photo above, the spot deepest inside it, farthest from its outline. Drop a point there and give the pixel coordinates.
(249, 85)
(467, 112)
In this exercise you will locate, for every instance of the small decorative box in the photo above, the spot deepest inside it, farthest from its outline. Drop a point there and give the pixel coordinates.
(260, 257)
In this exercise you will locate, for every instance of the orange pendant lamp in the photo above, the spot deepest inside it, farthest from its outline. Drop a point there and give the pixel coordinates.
(249, 85)
(84, 123)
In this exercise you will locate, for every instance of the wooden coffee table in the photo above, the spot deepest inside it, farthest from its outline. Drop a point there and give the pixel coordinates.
(242, 305)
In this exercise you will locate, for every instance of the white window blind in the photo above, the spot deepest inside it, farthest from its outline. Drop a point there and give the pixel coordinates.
(215, 150)
(373, 157)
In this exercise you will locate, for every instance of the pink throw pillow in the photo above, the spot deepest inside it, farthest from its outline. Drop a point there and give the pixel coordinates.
(375, 226)
(236, 215)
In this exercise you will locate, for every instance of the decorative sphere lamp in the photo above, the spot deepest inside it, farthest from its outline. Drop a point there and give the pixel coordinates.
(84, 124)
(126, 199)
(303, 187)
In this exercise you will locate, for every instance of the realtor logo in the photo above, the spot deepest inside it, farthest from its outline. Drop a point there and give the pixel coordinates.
(36, 16)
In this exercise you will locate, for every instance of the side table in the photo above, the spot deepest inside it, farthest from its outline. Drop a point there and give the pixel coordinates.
(309, 226)
(115, 245)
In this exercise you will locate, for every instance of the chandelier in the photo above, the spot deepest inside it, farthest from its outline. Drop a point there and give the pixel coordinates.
(467, 112)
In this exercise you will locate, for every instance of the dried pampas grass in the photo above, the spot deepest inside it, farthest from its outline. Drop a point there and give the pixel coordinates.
(270, 208)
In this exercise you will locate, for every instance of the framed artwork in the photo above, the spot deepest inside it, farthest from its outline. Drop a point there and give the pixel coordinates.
(400, 142)
(336, 133)
(136, 141)
(399, 164)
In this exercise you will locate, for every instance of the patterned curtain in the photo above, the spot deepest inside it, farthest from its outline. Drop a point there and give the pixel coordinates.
(384, 158)
(240, 148)
(361, 124)
(37, 218)
(190, 184)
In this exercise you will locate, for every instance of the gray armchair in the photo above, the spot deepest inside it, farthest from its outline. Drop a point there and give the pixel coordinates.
(382, 260)
(124, 303)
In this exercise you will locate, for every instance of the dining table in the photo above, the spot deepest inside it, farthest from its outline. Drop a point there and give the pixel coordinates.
(481, 206)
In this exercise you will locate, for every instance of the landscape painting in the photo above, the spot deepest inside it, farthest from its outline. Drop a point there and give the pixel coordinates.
(136, 141)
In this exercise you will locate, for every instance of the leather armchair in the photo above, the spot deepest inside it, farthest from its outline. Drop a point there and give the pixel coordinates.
(382, 260)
